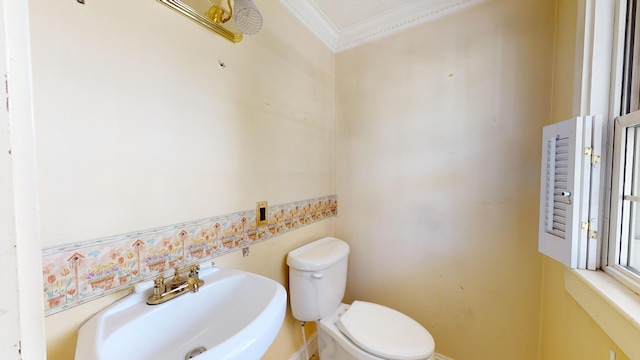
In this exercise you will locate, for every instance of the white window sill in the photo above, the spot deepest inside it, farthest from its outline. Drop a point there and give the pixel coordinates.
(614, 307)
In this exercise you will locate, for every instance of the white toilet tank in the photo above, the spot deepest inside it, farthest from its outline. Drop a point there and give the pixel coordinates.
(317, 278)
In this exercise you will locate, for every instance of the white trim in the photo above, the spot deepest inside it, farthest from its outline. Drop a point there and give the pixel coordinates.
(23, 158)
(617, 60)
(594, 57)
(595, 77)
(10, 319)
(610, 233)
(398, 20)
(312, 344)
(413, 13)
(442, 357)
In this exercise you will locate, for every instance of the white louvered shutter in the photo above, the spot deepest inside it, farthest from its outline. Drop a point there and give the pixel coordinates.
(565, 222)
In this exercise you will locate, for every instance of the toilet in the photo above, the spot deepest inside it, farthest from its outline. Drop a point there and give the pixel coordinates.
(360, 331)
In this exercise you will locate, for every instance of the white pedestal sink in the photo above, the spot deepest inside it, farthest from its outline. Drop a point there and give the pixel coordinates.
(234, 315)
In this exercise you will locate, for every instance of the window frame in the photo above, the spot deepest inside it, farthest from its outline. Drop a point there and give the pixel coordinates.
(617, 216)
(621, 101)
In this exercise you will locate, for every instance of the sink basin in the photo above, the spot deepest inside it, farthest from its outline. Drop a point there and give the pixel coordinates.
(234, 315)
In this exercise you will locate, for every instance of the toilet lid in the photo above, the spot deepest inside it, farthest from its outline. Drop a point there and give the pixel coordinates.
(385, 332)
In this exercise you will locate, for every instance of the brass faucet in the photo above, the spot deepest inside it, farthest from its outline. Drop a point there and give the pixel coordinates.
(177, 286)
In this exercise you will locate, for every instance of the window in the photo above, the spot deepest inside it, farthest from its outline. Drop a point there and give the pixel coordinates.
(575, 159)
(608, 64)
(623, 247)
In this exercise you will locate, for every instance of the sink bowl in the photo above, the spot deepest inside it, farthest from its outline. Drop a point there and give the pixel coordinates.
(234, 315)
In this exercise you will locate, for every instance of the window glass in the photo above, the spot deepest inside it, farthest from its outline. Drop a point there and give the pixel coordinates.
(624, 244)
(630, 239)
(624, 247)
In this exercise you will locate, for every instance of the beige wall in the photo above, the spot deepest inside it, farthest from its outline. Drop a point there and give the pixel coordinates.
(567, 331)
(437, 148)
(437, 169)
(139, 126)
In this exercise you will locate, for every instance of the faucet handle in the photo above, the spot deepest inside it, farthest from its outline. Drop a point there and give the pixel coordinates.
(193, 272)
(158, 286)
(194, 269)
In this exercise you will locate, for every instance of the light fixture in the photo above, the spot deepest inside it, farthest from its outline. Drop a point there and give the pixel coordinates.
(215, 15)
(248, 18)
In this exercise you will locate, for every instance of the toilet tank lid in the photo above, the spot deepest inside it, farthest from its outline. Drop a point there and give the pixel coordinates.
(318, 255)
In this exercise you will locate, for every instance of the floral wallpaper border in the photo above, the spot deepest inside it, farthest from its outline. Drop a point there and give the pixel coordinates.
(77, 273)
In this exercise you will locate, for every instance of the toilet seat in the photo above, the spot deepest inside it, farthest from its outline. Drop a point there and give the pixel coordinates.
(385, 332)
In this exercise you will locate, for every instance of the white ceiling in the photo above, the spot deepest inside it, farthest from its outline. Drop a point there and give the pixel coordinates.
(343, 24)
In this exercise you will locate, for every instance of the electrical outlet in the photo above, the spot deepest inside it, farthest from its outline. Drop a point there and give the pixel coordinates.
(262, 213)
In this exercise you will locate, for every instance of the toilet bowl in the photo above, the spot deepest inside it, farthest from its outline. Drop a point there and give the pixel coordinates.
(360, 331)
(334, 344)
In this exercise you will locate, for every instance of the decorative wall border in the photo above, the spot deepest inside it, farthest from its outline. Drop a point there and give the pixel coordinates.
(74, 274)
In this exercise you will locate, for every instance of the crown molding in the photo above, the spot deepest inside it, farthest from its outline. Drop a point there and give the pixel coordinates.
(401, 18)
(313, 18)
